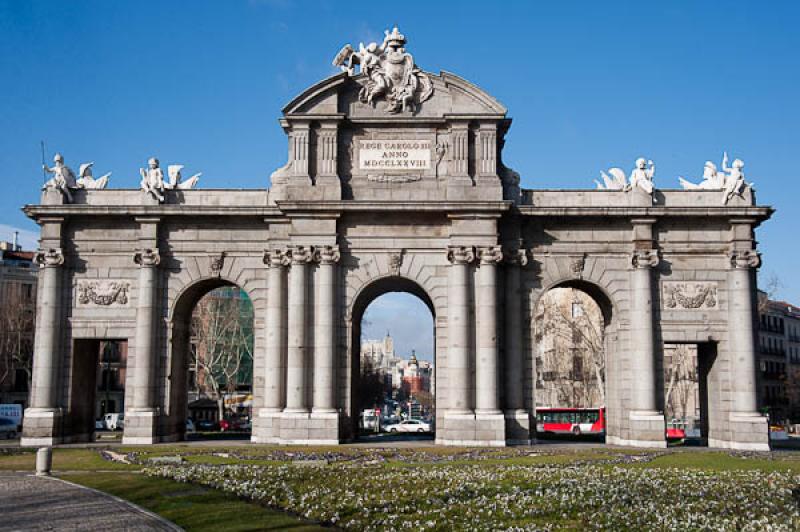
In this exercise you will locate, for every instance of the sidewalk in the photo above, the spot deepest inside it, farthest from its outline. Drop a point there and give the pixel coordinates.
(28, 502)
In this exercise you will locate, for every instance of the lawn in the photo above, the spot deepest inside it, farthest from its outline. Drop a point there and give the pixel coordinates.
(256, 487)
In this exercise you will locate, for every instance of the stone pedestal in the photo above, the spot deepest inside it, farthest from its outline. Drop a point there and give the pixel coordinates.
(41, 427)
(141, 427)
(309, 428)
(468, 429)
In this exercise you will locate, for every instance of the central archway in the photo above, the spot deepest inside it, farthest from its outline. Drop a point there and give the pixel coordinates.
(370, 294)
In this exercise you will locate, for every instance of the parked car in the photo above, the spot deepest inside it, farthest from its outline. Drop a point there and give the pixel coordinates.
(409, 425)
(114, 421)
(12, 412)
(8, 428)
(206, 425)
(227, 425)
(190, 426)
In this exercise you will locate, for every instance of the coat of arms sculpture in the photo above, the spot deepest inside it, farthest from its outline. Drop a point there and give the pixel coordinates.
(389, 72)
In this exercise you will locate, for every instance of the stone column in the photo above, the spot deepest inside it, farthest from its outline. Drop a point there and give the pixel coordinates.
(741, 336)
(486, 368)
(275, 364)
(643, 363)
(513, 341)
(46, 359)
(458, 371)
(296, 381)
(324, 396)
(746, 428)
(148, 261)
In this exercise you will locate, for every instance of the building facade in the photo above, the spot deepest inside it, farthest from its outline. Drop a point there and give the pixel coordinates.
(396, 181)
(779, 358)
(18, 277)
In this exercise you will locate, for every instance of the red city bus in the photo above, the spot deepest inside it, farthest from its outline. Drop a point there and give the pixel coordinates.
(578, 421)
(574, 421)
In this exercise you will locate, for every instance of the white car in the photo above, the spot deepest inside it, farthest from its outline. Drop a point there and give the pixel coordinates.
(114, 421)
(409, 425)
(8, 428)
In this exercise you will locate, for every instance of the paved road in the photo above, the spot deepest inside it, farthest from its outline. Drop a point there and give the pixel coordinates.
(42, 503)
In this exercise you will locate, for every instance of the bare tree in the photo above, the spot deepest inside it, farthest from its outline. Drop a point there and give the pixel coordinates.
(223, 337)
(570, 332)
(17, 321)
(682, 381)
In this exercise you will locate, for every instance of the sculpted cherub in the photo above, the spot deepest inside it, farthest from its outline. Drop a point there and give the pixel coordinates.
(153, 179)
(642, 175)
(734, 179)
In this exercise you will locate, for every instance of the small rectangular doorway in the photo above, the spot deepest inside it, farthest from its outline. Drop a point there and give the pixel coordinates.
(687, 370)
(97, 385)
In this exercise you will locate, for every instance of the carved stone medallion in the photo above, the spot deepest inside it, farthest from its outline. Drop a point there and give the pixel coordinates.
(689, 295)
(103, 293)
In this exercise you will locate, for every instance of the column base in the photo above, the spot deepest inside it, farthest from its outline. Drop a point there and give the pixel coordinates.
(472, 429)
(41, 427)
(266, 426)
(518, 427)
(749, 431)
(308, 428)
(141, 427)
(647, 429)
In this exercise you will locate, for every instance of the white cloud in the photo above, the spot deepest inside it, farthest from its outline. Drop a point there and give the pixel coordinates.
(29, 240)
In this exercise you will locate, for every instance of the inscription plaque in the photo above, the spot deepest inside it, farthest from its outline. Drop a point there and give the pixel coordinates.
(393, 155)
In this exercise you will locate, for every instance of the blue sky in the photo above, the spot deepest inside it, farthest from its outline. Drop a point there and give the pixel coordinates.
(406, 318)
(588, 84)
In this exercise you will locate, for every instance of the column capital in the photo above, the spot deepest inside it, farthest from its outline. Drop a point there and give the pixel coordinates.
(301, 254)
(645, 258)
(490, 254)
(147, 257)
(516, 256)
(460, 254)
(744, 258)
(327, 254)
(49, 257)
(276, 257)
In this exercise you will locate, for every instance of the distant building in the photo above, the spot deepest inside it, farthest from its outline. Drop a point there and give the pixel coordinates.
(18, 280)
(778, 357)
(411, 374)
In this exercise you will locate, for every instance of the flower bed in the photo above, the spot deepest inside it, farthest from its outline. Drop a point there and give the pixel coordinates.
(529, 497)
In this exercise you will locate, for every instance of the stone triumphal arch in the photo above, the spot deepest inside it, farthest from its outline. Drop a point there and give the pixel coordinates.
(395, 180)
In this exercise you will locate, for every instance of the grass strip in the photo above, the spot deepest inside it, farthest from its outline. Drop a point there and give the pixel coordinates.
(193, 508)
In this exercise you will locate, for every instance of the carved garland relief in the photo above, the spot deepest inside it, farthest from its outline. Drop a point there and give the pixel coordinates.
(689, 295)
(103, 293)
